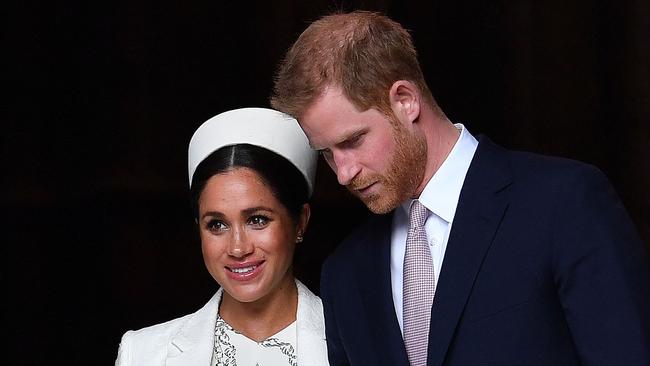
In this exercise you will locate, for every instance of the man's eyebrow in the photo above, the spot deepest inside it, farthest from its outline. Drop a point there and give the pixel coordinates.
(347, 136)
(350, 135)
(353, 135)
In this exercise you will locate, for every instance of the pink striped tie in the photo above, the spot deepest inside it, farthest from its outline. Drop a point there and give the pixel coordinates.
(419, 287)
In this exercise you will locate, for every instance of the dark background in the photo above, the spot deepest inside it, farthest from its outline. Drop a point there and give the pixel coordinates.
(102, 98)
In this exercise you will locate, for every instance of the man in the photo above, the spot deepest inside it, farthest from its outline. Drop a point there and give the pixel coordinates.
(485, 256)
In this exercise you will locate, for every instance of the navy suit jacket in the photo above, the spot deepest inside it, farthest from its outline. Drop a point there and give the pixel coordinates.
(543, 267)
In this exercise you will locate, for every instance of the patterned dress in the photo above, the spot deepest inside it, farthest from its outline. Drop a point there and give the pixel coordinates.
(232, 348)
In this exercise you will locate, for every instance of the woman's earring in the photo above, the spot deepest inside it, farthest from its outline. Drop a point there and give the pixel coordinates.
(299, 238)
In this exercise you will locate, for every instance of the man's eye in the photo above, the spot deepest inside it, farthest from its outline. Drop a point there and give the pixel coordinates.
(326, 153)
(258, 220)
(353, 141)
(216, 225)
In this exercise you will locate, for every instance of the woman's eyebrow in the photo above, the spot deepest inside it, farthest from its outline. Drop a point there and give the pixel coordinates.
(212, 214)
(251, 210)
(246, 211)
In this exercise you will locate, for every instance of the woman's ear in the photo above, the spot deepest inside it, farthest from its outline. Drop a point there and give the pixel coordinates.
(303, 221)
(405, 101)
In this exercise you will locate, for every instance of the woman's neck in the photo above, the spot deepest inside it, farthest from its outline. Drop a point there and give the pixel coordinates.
(265, 317)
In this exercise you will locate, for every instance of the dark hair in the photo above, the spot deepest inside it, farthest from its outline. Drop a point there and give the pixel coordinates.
(285, 180)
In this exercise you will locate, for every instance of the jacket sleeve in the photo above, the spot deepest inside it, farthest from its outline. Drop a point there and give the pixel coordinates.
(601, 273)
(335, 350)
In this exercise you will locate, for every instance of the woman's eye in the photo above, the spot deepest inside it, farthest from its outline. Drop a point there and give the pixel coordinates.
(258, 220)
(216, 225)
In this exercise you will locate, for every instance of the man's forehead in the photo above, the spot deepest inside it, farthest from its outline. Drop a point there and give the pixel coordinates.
(324, 142)
(331, 133)
(332, 119)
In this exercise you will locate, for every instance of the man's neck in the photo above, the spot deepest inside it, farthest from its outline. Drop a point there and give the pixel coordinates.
(441, 136)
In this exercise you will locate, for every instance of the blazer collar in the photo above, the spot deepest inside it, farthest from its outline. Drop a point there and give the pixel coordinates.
(311, 344)
(482, 205)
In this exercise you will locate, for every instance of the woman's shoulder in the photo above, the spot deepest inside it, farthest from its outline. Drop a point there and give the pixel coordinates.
(161, 330)
(151, 340)
(166, 329)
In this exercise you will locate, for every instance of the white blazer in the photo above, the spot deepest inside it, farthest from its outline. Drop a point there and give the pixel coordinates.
(189, 340)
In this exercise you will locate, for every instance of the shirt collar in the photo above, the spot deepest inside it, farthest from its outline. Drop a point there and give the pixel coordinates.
(442, 192)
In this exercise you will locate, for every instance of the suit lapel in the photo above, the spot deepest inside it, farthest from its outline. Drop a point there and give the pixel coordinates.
(375, 288)
(483, 202)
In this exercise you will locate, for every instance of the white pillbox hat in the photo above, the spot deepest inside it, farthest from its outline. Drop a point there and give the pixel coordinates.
(266, 128)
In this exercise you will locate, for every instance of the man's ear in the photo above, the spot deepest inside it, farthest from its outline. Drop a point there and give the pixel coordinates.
(405, 101)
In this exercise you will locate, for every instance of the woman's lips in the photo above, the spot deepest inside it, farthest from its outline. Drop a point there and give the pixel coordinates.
(244, 271)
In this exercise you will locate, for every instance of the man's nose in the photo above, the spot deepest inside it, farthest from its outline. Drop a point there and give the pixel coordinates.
(345, 166)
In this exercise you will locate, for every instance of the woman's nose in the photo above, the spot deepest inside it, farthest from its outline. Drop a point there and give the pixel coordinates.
(239, 245)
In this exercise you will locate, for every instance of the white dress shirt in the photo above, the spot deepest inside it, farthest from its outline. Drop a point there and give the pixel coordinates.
(440, 196)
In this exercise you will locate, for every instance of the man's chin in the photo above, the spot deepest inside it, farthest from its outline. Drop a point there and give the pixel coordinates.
(379, 205)
(379, 197)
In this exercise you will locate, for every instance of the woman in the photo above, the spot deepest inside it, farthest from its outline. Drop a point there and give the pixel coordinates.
(251, 173)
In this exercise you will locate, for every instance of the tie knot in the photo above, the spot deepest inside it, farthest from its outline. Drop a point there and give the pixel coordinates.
(418, 215)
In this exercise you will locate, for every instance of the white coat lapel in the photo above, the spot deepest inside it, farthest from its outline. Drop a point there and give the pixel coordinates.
(311, 344)
(193, 344)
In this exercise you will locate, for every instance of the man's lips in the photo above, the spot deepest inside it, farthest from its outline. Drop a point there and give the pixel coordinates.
(364, 189)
